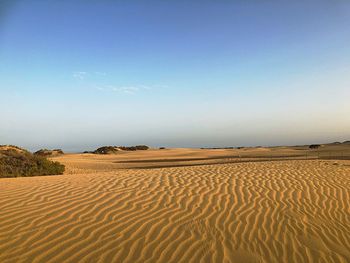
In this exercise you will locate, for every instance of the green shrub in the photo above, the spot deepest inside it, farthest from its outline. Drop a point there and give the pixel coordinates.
(115, 149)
(17, 162)
(106, 150)
(314, 146)
(48, 153)
(134, 148)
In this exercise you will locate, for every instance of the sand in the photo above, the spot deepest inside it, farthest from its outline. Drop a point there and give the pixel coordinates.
(85, 163)
(269, 211)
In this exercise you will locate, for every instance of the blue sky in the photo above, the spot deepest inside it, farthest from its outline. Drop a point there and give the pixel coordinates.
(81, 74)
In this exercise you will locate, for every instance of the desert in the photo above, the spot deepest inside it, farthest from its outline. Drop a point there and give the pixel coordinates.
(182, 205)
(174, 131)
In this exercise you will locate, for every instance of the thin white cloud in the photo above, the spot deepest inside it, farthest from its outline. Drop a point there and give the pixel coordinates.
(99, 88)
(100, 73)
(79, 75)
(144, 87)
(162, 86)
(127, 89)
(124, 89)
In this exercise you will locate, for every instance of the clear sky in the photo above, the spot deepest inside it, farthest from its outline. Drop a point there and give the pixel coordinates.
(81, 74)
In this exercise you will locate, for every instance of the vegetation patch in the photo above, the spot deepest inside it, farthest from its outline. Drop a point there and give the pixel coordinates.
(116, 149)
(48, 153)
(17, 162)
(314, 146)
(106, 150)
(134, 148)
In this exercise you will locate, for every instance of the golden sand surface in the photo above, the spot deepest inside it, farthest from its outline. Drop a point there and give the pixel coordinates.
(269, 211)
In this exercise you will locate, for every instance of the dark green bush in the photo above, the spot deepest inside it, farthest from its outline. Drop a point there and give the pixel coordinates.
(17, 162)
(134, 148)
(47, 153)
(314, 146)
(115, 149)
(142, 147)
(106, 150)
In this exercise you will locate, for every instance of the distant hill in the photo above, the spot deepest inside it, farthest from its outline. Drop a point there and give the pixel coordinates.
(17, 162)
(116, 149)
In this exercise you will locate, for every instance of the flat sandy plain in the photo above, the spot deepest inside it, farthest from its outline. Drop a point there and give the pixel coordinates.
(182, 205)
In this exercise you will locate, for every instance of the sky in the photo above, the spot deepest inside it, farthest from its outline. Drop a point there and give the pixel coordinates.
(81, 74)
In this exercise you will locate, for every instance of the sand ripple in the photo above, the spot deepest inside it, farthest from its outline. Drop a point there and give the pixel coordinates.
(283, 211)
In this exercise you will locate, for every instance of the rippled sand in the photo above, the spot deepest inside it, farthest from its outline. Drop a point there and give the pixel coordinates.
(281, 211)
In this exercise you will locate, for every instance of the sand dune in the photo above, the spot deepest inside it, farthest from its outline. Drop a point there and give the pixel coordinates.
(83, 163)
(282, 211)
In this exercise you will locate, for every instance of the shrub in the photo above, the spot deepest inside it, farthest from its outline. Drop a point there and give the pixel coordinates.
(16, 162)
(106, 150)
(134, 148)
(58, 151)
(142, 147)
(47, 153)
(115, 149)
(314, 146)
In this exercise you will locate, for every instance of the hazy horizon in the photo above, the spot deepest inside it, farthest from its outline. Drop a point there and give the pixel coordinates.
(77, 75)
